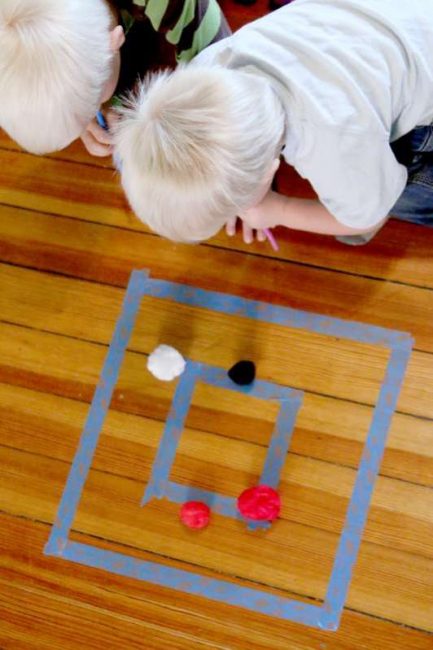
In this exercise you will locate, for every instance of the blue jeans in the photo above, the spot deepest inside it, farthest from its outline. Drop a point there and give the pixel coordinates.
(415, 151)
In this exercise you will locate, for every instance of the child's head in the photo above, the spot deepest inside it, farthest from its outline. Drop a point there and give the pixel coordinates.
(58, 62)
(197, 147)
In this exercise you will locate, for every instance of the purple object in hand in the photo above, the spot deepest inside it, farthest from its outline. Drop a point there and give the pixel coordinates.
(271, 239)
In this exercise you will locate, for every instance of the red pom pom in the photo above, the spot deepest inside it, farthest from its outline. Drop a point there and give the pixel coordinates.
(195, 514)
(261, 503)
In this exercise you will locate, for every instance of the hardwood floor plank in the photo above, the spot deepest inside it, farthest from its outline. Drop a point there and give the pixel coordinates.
(71, 368)
(110, 256)
(68, 243)
(21, 556)
(74, 153)
(64, 188)
(326, 429)
(287, 356)
(401, 252)
(315, 493)
(85, 310)
(387, 583)
(41, 620)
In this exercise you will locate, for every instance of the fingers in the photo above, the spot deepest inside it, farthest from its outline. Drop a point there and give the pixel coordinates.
(94, 147)
(98, 141)
(247, 233)
(99, 134)
(231, 226)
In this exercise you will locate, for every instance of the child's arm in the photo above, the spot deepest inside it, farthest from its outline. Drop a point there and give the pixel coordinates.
(188, 25)
(299, 214)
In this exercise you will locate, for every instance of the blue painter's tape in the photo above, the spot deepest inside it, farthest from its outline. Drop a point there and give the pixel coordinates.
(97, 413)
(221, 504)
(363, 490)
(286, 316)
(159, 485)
(192, 583)
(172, 432)
(280, 443)
(260, 389)
(325, 616)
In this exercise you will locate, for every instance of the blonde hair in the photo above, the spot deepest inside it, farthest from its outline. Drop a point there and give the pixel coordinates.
(54, 63)
(195, 145)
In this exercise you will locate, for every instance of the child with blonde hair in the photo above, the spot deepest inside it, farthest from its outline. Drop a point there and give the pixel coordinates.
(344, 88)
(60, 60)
(194, 150)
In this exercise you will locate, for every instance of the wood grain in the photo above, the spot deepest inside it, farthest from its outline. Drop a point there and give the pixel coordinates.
(74, 153)
(327, 428)
(129, 443)
(23, 563)
(68, 243)
(88, 311)
(401, 252)
(399, 584)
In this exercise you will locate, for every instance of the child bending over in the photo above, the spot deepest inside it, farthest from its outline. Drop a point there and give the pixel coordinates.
(60, 60)
(342, 88)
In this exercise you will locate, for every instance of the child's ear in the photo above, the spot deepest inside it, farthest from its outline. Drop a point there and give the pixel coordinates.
(117, 38)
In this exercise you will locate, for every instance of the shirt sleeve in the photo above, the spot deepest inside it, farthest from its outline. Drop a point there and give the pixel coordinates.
(355, 174)
(188, 25)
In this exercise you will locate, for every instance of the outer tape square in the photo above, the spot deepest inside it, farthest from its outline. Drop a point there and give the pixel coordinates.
(325, 616)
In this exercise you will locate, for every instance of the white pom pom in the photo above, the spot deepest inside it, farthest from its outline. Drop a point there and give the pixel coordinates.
(166, 363)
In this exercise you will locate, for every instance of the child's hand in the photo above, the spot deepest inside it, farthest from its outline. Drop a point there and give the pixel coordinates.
(255, 220)
(99, 141)
(248, 233)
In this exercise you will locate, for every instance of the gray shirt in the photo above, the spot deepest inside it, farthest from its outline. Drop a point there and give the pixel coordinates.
(353, 75)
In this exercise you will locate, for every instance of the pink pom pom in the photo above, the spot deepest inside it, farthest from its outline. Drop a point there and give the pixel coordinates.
(261, 503)
(195, 514)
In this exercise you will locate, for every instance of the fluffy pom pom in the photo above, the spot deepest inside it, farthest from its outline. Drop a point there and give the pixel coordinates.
(195, 514)
(243, 373)
(261, 503)
(166, 363)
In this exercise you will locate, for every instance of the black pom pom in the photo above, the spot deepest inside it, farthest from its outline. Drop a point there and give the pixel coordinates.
(242, 373)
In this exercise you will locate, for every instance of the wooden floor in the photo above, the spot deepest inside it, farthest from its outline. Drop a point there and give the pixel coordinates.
(68, 244)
